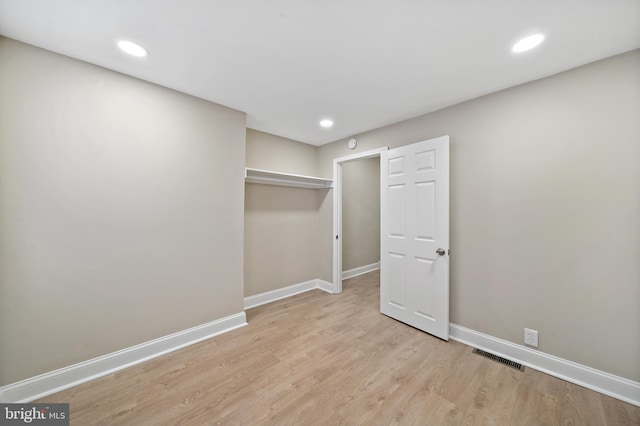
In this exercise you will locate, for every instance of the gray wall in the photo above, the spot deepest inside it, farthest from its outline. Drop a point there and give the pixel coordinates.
(545, 201)
(121, 207)
(282, 232)
(360, 213)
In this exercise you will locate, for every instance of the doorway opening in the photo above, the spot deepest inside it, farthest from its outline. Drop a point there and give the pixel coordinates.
(338, 209)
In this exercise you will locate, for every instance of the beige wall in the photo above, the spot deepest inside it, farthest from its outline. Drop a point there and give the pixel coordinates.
(282, 232)
(271, 152)
(281, 237)
(545, 201)
(360, 213)
(121, 207)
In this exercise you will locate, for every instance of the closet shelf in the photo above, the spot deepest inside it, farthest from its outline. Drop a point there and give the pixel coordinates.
(284, 179)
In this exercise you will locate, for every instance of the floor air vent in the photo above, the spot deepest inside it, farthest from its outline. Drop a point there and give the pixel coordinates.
(499, 359)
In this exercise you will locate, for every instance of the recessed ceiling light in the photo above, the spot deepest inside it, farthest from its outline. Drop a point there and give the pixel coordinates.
(326, 123)
(527, 43)
(133, 49)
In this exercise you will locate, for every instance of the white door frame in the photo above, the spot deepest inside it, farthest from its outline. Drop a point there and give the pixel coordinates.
(337, 210)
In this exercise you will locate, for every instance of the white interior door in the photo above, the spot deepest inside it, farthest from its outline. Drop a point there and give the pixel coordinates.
(414, 215)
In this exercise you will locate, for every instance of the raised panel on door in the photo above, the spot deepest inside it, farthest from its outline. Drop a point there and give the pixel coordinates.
(397, 215)
(425, 297)
(425, 202)
(397, 269)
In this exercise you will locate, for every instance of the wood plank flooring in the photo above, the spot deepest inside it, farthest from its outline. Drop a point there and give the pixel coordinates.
(321, 359)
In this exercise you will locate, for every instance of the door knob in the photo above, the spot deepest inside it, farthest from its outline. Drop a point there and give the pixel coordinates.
(440, 251)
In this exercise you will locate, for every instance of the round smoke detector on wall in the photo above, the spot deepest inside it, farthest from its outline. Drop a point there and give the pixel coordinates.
(352, 143)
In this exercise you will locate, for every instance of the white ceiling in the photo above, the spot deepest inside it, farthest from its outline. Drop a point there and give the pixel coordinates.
(362, 63)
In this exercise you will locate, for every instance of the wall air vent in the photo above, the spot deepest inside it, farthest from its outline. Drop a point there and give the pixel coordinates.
(499, 359)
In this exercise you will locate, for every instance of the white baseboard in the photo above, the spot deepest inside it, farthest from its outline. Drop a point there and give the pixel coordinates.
(614, 386)
(284, 292)
(360, 270)
(55, 381)
(325, 286)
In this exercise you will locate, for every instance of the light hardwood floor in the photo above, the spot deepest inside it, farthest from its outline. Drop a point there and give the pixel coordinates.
(322, 359)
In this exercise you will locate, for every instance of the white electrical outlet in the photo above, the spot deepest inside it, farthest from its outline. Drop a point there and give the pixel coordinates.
(531, 337)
